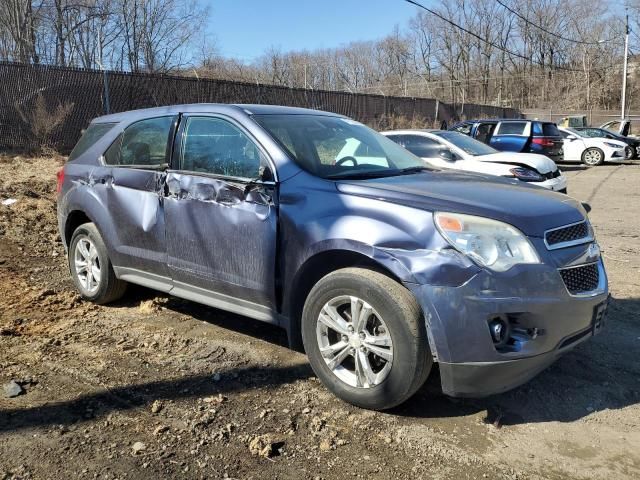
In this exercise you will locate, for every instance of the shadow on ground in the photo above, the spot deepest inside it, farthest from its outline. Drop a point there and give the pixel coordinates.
(131, 397)
(602, 373)
(243, 325)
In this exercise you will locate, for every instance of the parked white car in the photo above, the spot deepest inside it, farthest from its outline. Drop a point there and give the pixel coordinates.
(578, 147)
(448, 149)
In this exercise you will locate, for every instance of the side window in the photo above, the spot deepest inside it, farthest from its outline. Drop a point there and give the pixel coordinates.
(464, 128)
(485, 131)
(112, 155)
(512, 128)
(212, 145)
(143, 143)
(421, 146)
(565, 134)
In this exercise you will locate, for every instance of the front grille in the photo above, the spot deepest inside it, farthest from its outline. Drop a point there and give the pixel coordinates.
(581, 279)
(569, 233)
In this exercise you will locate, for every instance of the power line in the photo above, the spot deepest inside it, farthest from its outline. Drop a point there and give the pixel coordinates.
(488, 42)
(539, 27)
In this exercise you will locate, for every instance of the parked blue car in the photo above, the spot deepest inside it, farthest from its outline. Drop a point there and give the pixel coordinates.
(378, 266)
(516, 135)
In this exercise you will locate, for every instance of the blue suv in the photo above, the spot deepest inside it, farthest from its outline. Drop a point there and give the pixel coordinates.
(511, 135)
(378, 266)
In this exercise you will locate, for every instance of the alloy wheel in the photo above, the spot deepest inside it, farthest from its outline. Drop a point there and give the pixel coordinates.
(87, 264)
(592, 157)
(354, 341)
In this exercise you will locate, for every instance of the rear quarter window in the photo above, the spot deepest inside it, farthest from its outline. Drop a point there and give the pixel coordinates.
(91, 135)
(512, 128)
(550, 130)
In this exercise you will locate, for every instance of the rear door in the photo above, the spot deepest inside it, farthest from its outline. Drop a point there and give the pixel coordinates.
(134, 186)
(221, 216)
(511, 136)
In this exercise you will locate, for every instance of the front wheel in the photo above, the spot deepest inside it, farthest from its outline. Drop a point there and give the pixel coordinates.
(91, 267)
(365, 338)
(629, 153)
(593, 157)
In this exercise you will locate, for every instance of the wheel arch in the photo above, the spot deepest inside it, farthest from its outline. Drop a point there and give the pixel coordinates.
(74, 219)
(311, 271)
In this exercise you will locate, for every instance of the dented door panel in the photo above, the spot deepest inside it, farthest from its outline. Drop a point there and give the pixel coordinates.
(134, 198)
(221, 236)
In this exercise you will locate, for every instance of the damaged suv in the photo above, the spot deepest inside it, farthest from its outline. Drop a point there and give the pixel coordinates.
(377, 265)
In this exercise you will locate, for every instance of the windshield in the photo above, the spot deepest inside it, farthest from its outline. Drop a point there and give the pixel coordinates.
(467, 144)
(596, 132)
(571, 131)
(335, 147)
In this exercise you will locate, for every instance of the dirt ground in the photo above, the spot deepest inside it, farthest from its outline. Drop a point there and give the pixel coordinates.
(156, 387)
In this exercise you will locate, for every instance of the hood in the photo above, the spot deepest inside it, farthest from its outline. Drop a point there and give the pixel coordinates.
(540, 163)
(531, 209)
(619, 143)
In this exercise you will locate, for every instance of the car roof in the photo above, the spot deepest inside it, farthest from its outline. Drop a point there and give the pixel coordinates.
(249, 109)
(409, 131)
(506, 120)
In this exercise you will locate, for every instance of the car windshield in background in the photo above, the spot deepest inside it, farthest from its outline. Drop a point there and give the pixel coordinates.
(595, 133)
(576, 133)
(467, 144)
(335, 147)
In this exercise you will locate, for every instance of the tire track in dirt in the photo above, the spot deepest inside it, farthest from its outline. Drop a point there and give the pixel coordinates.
(602, 182)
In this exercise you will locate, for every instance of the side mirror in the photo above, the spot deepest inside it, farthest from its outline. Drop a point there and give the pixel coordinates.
(572, 137)
(446, 154)
(265, 174)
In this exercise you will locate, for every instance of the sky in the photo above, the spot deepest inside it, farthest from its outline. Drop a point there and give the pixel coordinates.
(244, 29)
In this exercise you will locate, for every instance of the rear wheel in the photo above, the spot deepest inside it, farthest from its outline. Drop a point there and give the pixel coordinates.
(593, 157)
(90, 267)
(365, 338)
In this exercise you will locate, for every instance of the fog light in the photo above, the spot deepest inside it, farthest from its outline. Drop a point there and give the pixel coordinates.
(500, 331)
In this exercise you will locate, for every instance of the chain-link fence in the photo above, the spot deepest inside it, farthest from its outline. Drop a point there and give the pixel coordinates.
(48, 106)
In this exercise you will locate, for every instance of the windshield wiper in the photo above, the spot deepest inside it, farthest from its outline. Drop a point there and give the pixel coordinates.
(410, 170)
(362, 175)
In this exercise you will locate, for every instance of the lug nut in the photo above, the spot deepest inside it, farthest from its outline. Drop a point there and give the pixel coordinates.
(362, 336)
(345, 338)
(350, 328)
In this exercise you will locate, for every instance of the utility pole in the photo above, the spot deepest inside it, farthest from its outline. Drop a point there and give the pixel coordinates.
(624, 70)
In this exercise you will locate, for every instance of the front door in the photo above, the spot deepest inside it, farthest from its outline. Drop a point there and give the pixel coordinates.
(221, 217)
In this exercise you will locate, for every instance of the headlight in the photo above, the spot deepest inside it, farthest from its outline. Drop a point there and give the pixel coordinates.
(526, 174)
(490, 243)
(612, 145)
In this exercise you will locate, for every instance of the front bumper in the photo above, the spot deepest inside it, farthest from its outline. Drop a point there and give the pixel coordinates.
(546, 322)
(480, 379)
(558, 184)
(614, 154)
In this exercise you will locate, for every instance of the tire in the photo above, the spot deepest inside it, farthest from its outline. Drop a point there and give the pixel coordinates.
(593, 157)
(629, 152)
(101, 285)
(395, 315)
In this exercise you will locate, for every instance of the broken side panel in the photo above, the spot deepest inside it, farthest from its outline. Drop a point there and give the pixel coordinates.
(221, 236)
(134, 198)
